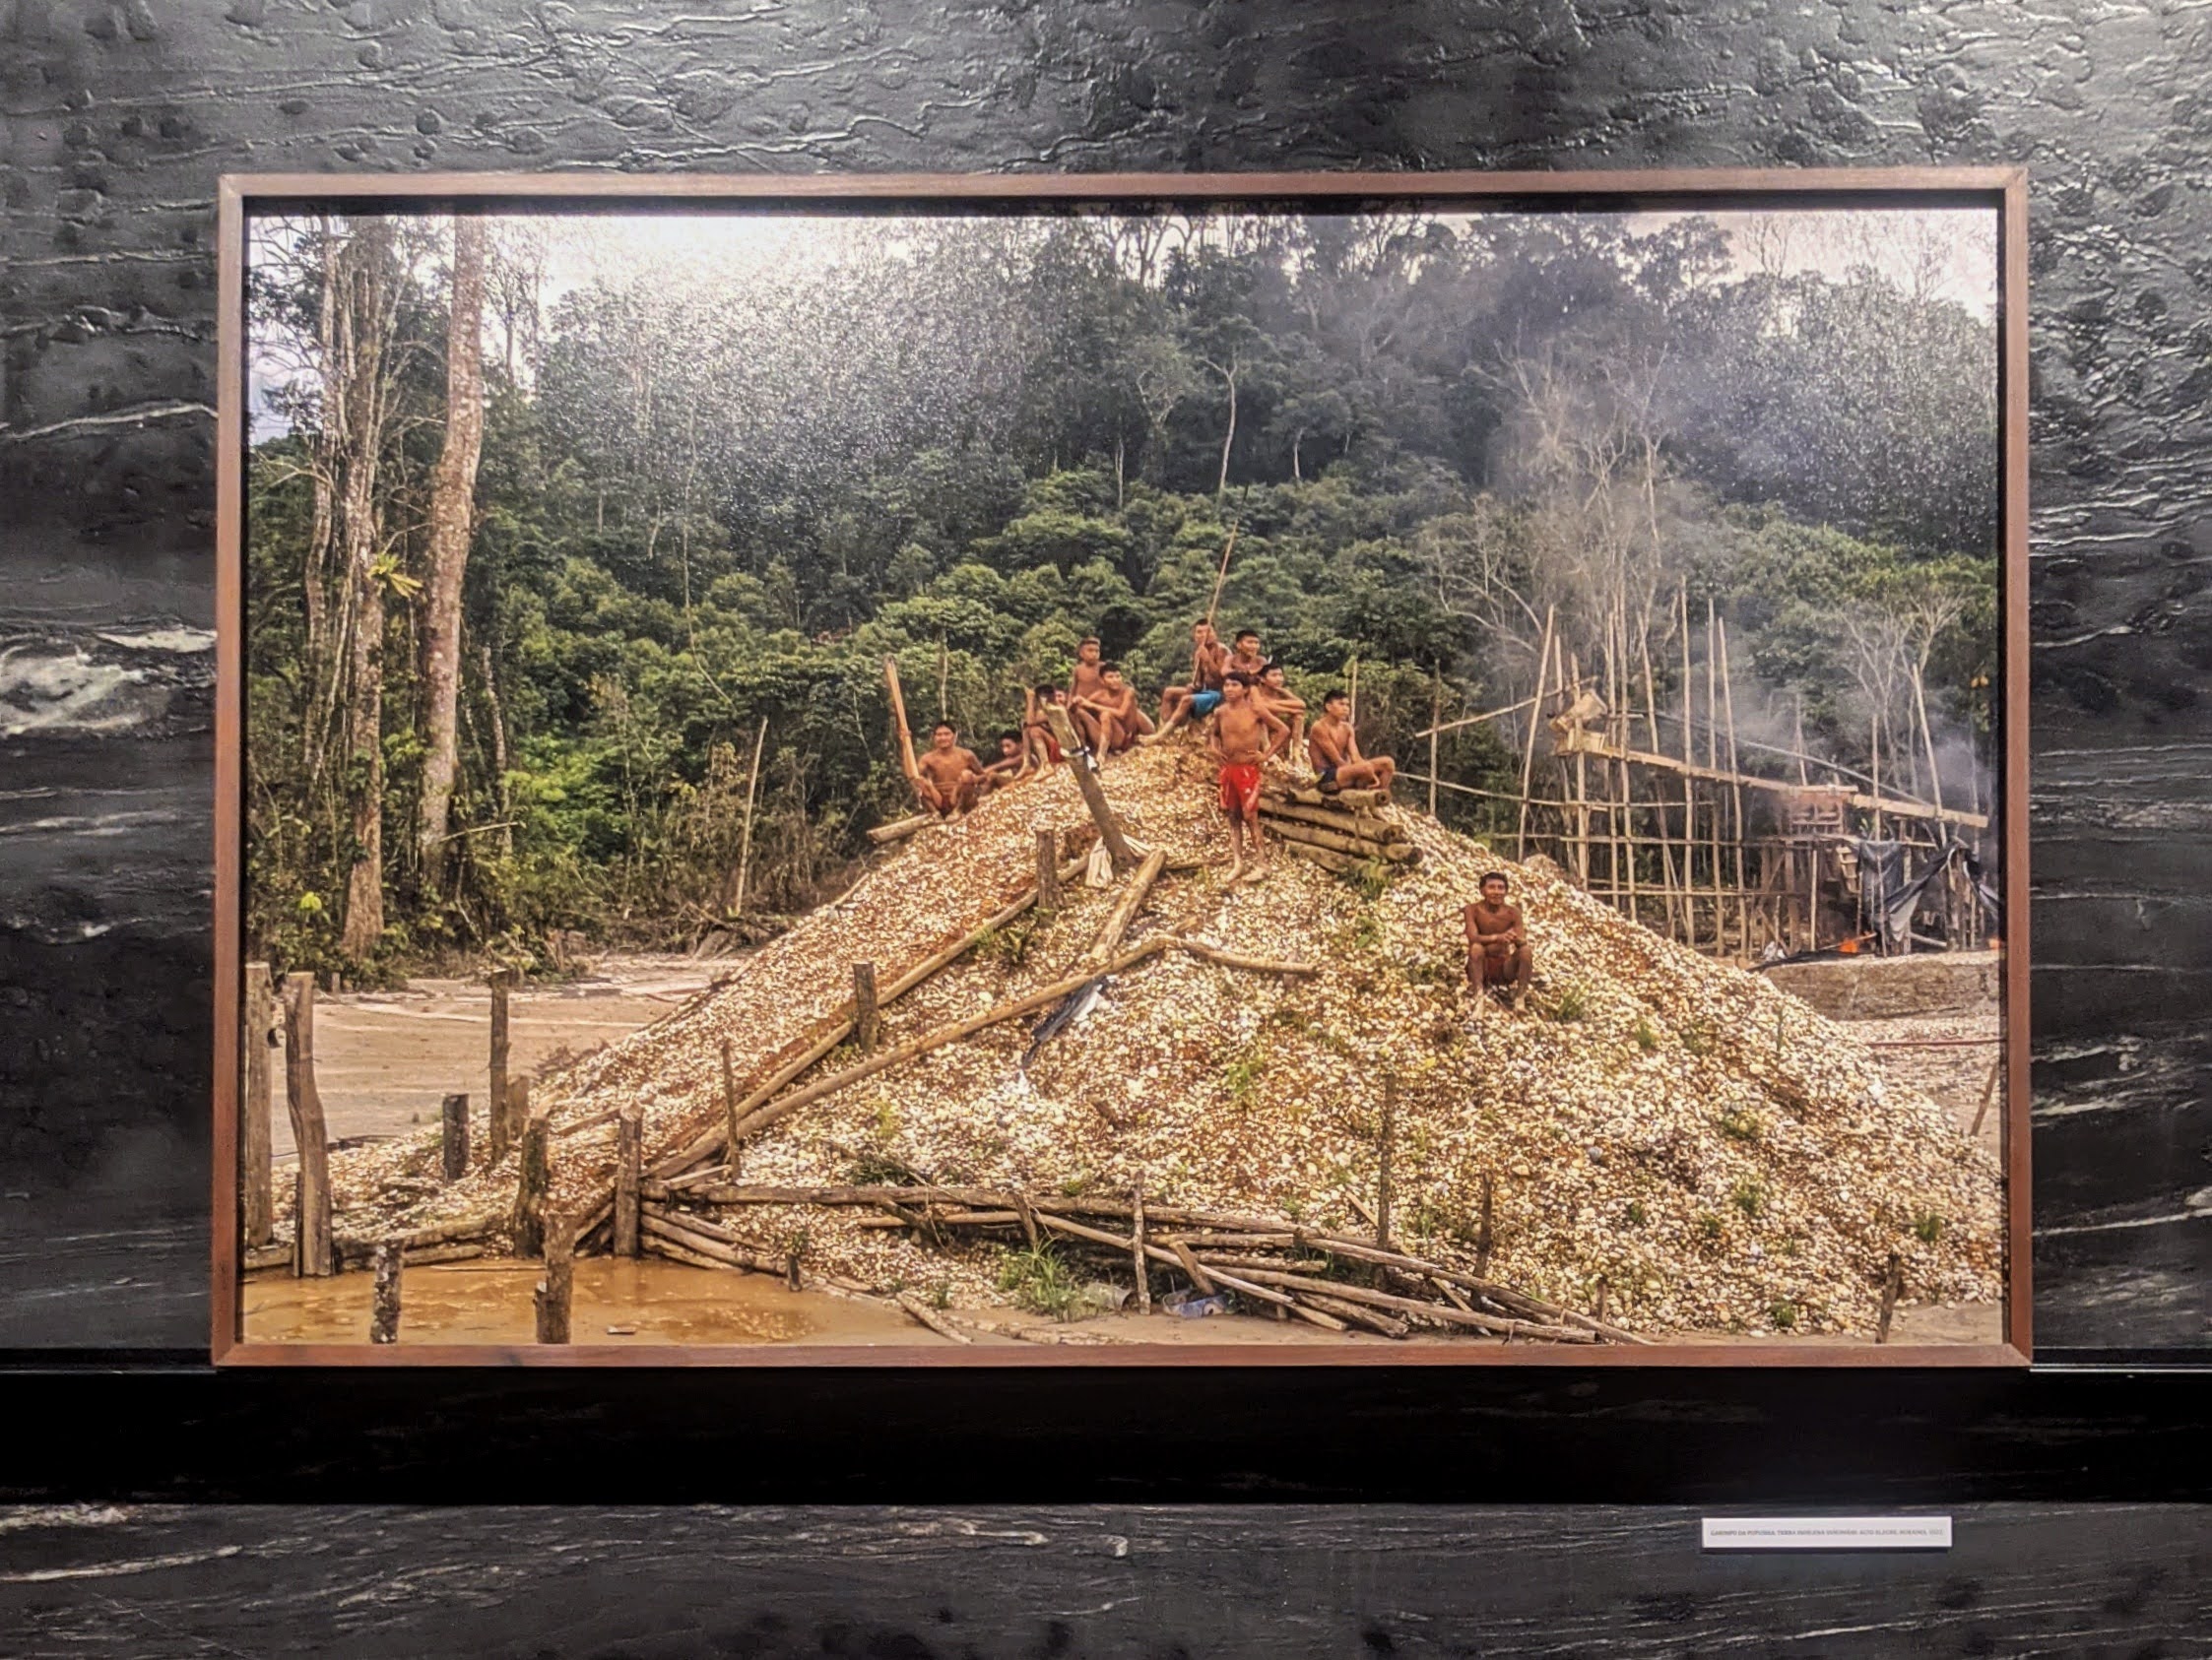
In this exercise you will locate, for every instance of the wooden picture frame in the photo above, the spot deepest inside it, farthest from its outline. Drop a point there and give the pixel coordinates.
(2002, 190)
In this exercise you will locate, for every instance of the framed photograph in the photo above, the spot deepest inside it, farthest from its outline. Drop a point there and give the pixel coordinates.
(1305, 769)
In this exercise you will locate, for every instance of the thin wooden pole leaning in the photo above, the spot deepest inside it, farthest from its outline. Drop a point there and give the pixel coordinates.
(745, 841)
(1535, 720)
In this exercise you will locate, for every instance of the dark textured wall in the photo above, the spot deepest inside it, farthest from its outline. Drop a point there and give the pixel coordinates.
(118, 116)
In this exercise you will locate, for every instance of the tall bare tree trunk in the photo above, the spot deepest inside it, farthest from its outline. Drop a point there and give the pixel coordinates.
(365, 306)
(452, 520)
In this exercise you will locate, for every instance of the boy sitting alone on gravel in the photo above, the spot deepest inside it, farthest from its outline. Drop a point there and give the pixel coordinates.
(1497, 942)
(1245, 735)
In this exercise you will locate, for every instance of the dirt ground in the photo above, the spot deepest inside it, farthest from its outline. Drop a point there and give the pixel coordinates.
(385, 1060)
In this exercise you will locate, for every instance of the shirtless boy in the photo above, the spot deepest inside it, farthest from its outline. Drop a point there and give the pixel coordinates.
(1083, 687)
(1012, 764)
(1245, 737)
(947, 778)
(1246, 658)
(1037, 739)
(1121, 721)
(1209, 661)
(1333, 748)
(1282, 703)
(1497, 944)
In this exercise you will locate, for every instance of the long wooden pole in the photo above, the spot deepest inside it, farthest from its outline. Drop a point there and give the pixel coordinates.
(744, 843)
(1713, 764)
(1436, 715)
(1658, 805)
(1221, 576)
(1535, 720)
(1689, 784)
(1727, 707)
(1085, 768)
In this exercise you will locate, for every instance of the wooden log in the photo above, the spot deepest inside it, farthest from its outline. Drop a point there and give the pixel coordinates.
(1136, 1242)
(1522, 1301)
(1192, 1267)
(1383, 1170)
(1353, 1313)
(1356, 847)
(453, 1143)
(384, 1304)
(445, 1253)
(532, 1182)
(915, 1048)
(257, 1037)
(1237, 960)
(1048, 870)
(503, 1126)
(629, 1146)
(1444, 1312)
(1356, 801)
(1483, 1236)
(655, 1224)
(1125, 910)
(867, 1024)
(555, 1294)
(1893, 1287)
(311, 1255)
(1370, 826)
(260, 1258)
(930, 1318)
(1084, 766)
(1336, 864)
(901, 828)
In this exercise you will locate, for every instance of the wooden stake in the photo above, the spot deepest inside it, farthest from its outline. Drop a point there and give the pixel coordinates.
(1482, 1235)
(899, 728)
(1436, 716)
(1137, 1247)
(1190, 1261)
(555, 1294)
(502, 1127)
(454, 1145)
(257, 1037)
(1689, 784)
(311, 1255)
(867, 1026)
(1652, 728)
(531, 1186)
(384, 1307)
(744, 843)
(1048, 870)
(1351, 694)
(1989, 1093)
(630, 1151)
(1535, 720)
(1383, 1174)
(730, 1108)
(1084, 765)
(1892, 1286)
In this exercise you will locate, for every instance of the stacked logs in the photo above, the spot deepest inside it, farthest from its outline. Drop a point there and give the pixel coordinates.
(1265, 1263)
(1338, 830)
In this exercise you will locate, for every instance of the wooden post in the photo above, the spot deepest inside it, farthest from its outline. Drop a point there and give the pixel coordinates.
(1482, 1235)
(1137, 1249)
(1383, 1174)
(1048, 870)
(1689, 784)
(1536, 721)
(514, 1112)
(1989, 1093)
(629, 1159)
(1893, 1284)
(868, 1021)
(455, 1145)
(1600, 1312)
(257, 1033)
(1084, 765)
(1659, 807)
(555, 1294)
(384, 1309)
(1351, 694)
(730, 1114)
(502, 1127)
(1727, 707)
(311, 1255)
(531, 1185)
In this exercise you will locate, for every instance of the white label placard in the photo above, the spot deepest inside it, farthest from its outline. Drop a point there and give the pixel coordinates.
(1828, 1533)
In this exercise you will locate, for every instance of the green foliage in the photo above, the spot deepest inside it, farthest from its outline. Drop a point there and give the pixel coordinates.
(1749, 1195)
(1647, 1035)
(1928, 1227)
(1697, 1037)
(1782, 1315)
(1570, 1005)
(1741, 1123)
(1636, 1215)
(1040, 1280)
(1242, 1077)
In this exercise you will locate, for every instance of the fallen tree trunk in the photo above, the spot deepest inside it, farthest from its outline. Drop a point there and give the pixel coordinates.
(1307, 796)
(901, 828)
(1409, 1305)
(1125, 910)
(1371, 825)
(1359, 847)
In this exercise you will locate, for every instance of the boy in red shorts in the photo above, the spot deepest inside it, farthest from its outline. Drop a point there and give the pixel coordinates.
(1246, 735)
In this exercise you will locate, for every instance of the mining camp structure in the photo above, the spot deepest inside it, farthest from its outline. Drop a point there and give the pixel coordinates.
(1048, 1044)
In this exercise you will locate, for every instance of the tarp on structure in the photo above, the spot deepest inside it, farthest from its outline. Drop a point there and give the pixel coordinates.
(1888, 896)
